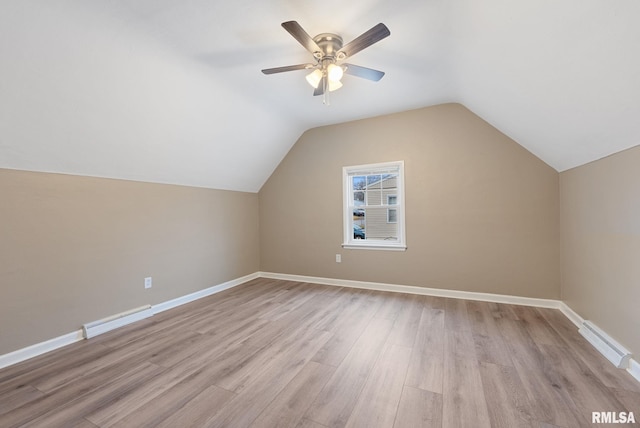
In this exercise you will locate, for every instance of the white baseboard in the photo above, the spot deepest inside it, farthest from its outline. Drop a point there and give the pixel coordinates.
(576, 319)
(410, 289)
(634, 369)
(23, 354)
(170, 304)
(40, 348)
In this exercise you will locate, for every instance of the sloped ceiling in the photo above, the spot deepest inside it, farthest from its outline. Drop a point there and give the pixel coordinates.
(171, 91)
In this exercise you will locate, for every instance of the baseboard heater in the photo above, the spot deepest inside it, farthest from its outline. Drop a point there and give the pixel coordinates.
(608, 347)
(104, 325)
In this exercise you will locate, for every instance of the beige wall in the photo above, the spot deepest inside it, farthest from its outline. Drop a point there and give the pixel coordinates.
(600, 223)
(483, 214)
(481, 211)
(76, 249)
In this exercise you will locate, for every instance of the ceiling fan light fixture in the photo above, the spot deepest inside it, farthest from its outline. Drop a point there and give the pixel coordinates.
(334, 86)
(334, 73)
(314, 78)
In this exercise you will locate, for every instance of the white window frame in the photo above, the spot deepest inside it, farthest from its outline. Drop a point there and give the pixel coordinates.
(348, 206)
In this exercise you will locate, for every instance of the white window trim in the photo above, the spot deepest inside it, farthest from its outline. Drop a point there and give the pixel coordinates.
(366, 244)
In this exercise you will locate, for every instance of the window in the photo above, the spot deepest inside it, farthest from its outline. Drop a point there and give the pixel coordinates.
(374, 206)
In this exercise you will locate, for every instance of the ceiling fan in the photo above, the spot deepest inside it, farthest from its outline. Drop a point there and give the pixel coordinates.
(329, 52)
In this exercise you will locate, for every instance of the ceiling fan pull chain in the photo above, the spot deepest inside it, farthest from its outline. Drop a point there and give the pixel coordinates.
(325, 99)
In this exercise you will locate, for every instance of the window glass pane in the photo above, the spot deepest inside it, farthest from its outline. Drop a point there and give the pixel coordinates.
(359, 223)
(377, 226)
(374, 197)
(359, 183)
(392, 216)
(358, 198)
(373, 181)
(389, 181)
(392, 200)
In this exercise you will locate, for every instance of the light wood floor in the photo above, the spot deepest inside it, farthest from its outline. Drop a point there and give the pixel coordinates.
(274, 353)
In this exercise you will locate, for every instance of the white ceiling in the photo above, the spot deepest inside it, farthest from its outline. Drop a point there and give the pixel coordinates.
(171, 91)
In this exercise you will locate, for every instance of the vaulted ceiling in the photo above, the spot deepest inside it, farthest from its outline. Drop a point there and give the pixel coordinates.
(171, 91)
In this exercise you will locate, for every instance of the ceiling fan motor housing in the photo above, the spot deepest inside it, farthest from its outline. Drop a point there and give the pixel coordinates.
(330, 45)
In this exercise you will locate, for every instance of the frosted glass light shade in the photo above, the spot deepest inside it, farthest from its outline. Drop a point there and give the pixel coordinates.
(314, 78)
(334, 72)
(334, 85)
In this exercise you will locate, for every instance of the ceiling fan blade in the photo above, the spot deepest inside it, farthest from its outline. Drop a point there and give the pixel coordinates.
(321, 87)
(364, 72)
(301, 36)
(365, 40)
(287, 68)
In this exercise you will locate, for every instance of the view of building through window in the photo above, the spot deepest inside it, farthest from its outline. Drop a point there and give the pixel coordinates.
(373, 197)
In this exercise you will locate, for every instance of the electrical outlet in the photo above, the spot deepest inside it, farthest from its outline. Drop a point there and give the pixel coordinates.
(148, 282)
(338, 258)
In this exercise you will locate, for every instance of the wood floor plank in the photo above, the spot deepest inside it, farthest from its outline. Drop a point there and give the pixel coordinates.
(406, 324)
(82, 353)
(289, 406)
(240, 376)
(70, 413)
(349, 329)
(70, 403)
(456, 317)
(459, 344)
(318, 313)
(357, 301)
(173, 399)
(42, 365)
(19, 397)
(463, 400)
(378, 401)
(214, 359)
(334, 404)
(131, 355)
(435, 302)
(630, 400)
(293, 299)
(245, 407)
(179, 351)
(123, 334)
(391, 306)
(199, 409)
(307, 423)
(489, 344)
(426, 366)
(419, 409)
(538, 327)
(507, 400)
(541, 380)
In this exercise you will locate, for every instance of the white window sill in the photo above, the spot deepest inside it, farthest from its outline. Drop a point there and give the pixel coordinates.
(375, 246)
